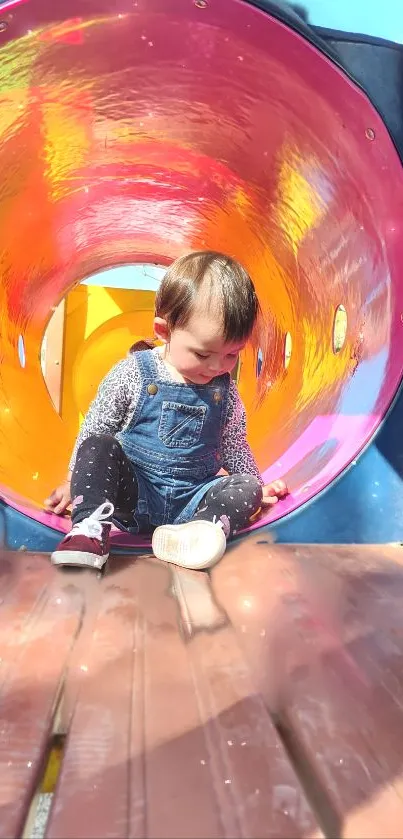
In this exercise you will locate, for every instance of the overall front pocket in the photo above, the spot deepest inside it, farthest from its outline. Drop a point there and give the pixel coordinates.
(180, 425)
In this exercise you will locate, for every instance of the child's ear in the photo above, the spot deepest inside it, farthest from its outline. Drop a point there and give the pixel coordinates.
(161, 330)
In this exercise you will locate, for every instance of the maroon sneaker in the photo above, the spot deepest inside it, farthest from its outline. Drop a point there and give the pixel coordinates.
(87, 544)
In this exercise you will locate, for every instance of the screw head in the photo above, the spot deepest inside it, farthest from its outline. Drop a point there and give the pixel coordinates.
(201, 4)
(3, 25)
(370, 133)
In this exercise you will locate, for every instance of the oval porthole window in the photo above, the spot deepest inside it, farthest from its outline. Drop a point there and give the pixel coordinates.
(259, 362)
(339, 328)
(21, 350)
(287, 349)
(236, 371)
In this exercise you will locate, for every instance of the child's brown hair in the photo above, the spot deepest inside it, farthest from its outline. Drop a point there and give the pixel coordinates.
(144, 344)
(228, 288)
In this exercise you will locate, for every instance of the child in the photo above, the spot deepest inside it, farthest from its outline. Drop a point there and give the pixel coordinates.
(163, 447)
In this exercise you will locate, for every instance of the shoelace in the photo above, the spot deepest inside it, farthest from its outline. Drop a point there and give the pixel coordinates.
(92, 526)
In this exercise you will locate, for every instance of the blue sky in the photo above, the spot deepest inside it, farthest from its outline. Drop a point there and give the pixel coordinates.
(141, 277)
(382, 18)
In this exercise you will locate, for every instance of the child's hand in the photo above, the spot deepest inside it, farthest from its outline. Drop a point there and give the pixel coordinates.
(273, 493)
(59, 499)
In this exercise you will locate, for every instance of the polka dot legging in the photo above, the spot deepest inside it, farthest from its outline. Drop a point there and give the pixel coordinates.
(103, 472)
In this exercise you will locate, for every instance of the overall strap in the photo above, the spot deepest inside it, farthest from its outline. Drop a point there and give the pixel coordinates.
(147, 364)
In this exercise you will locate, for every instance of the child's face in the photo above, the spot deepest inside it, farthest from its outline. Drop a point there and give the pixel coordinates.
(199, 351)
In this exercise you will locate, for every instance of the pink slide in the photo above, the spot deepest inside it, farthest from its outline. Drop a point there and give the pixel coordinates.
(136, 131)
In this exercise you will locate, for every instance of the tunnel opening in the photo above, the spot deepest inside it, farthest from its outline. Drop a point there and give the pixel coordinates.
(133, 137)
(91, 329)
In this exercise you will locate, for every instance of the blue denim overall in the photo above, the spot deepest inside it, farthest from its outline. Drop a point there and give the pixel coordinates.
(174, 442)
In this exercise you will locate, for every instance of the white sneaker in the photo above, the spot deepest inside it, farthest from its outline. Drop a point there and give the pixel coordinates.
(196, 544)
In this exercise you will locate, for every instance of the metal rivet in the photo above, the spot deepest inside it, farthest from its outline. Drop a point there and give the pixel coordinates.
(3, 25)
(152, 389)
(201, 4)
(217, 396)
(370, 133)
